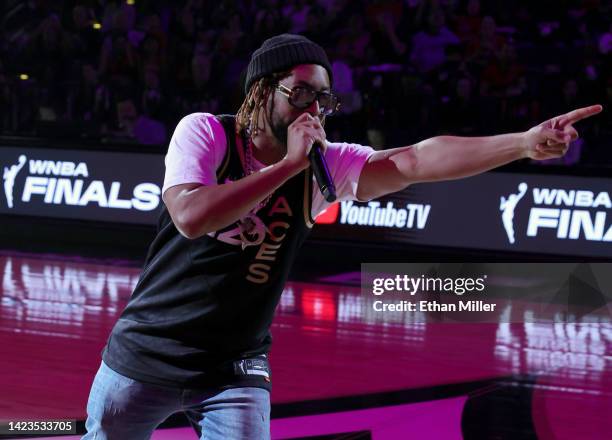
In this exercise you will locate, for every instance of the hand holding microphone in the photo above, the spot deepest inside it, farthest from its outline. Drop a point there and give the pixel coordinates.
(299, 139)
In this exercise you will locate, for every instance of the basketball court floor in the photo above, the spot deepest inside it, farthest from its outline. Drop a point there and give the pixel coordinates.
(340, 370)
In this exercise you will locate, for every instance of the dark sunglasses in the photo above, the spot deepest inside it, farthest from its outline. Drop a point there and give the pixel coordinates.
(303, 97)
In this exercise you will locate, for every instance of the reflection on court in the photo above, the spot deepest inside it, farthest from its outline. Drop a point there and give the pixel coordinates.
(56, 314)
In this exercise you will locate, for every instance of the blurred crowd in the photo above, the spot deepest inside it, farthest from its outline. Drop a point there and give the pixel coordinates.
(127, 71)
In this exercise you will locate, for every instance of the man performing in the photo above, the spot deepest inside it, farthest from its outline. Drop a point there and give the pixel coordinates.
(239, 201)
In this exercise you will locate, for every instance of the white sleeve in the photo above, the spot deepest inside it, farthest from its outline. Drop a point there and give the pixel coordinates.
(345, 162)
(195, 152)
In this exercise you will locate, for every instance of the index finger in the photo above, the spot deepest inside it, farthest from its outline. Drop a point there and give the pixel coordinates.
(578, 114)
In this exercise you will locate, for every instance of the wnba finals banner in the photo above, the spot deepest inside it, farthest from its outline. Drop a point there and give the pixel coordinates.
(549, 214)
(85, 185)
(500, 211)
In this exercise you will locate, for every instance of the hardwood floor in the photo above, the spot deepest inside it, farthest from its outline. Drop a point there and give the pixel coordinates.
(56, 313)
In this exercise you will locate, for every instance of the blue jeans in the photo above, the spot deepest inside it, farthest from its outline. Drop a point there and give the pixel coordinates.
(121, 408)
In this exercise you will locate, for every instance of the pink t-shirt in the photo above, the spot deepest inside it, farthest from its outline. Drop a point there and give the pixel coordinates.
(198, 146)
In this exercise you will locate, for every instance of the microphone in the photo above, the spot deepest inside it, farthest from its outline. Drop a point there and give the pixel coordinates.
(321, 172)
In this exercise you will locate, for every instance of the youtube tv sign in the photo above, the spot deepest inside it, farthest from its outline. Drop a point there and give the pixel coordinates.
(375, 214)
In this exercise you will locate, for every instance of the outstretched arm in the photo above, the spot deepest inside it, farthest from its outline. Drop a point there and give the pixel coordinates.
(452, 157)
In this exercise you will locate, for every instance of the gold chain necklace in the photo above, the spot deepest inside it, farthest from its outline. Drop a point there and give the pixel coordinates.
(249, 170)
(252, 228)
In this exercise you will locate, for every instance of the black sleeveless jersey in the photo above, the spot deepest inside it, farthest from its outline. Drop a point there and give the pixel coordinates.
(202, 304)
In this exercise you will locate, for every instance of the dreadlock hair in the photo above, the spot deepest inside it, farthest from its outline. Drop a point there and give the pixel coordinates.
(247, 117)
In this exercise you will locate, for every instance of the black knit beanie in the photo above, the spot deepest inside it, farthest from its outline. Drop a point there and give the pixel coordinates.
(283, 52)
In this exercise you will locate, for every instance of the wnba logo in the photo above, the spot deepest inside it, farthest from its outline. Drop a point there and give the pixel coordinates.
(507, 207)
(9, 176)
(568, 214)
